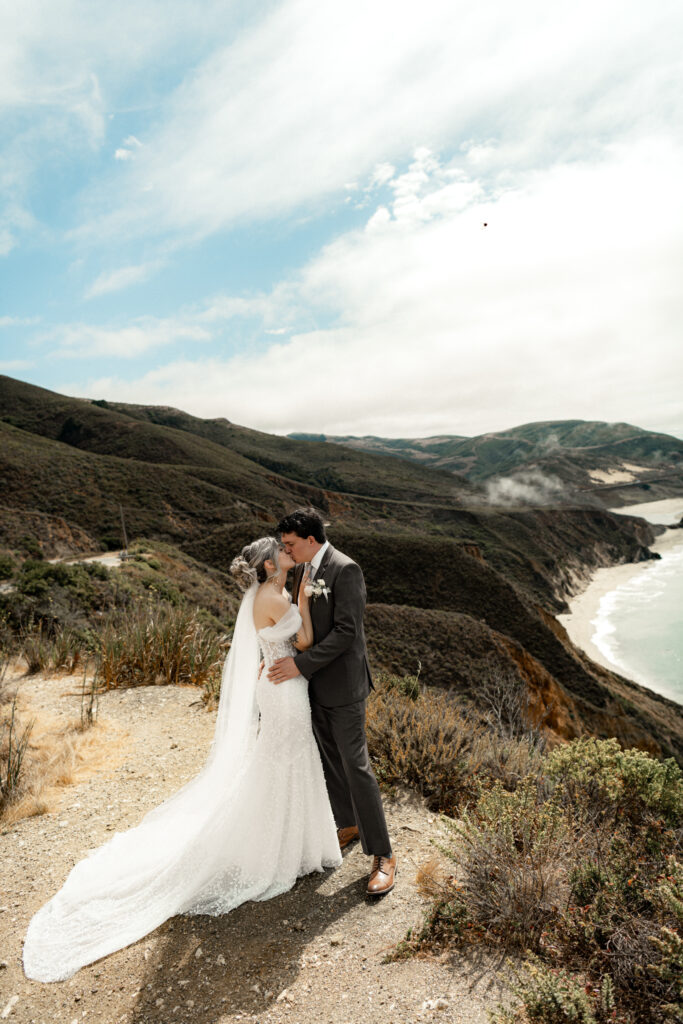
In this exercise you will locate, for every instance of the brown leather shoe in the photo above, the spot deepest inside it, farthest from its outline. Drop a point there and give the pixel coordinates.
(347, 835)
(382, 875)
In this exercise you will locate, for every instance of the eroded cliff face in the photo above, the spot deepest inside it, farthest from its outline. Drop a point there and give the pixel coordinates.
(56, 537)
(566, 717)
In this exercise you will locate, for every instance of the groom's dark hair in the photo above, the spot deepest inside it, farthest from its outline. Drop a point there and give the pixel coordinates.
(304, 522)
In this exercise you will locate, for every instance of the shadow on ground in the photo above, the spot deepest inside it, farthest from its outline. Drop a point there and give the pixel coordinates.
(258, 944)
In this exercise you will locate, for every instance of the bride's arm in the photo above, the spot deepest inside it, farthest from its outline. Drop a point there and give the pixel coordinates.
(304, 638)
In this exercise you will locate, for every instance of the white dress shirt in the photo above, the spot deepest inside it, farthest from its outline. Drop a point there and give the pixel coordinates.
(317, 559)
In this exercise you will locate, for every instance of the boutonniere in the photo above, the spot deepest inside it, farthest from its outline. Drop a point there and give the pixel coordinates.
(317, 588)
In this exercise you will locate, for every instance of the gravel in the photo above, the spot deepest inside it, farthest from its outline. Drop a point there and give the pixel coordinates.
(311, 956)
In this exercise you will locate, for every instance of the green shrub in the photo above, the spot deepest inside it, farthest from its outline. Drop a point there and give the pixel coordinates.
(37, 578)
(605, 784)
(512, 852)
(31, 546)
(554, 996)
(427, 743)
(668, 968)
(577, 864)
(7, 567)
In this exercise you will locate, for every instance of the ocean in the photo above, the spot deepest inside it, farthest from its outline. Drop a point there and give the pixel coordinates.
(639, 625)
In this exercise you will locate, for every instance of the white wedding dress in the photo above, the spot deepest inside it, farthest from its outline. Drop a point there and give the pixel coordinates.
(255, 819)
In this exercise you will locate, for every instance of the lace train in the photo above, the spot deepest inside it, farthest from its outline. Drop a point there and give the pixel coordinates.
(216, 843)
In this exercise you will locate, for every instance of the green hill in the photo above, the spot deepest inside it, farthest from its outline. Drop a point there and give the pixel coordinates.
(614, 460)
(449, 575)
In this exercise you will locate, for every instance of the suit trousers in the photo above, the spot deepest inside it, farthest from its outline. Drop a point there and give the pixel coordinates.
(351, 783)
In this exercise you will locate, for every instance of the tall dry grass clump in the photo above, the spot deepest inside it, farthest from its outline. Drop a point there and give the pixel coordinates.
(14, 734)
(157, 645)
(14, 739)
(51, 646)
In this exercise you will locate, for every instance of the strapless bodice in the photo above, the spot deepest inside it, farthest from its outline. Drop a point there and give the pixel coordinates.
(276, 641)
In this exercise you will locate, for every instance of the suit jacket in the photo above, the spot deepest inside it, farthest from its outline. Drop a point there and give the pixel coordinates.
(336, 666)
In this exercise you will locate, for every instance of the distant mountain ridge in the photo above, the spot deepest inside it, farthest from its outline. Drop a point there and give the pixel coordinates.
(453, 580)
(589, 456)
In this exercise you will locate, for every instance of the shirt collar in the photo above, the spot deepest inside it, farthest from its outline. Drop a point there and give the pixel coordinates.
(318, 556)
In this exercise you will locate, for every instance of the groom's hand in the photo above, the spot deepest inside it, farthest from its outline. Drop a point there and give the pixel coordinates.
(283, 668)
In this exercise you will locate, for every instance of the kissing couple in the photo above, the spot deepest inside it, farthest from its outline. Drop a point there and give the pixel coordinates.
(287, 783)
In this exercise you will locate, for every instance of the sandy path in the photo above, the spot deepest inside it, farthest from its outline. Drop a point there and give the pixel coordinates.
(312, 955)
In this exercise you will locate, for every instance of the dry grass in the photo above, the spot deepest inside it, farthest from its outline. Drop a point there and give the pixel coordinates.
(14, 740)
(158, 645)
(58, 754)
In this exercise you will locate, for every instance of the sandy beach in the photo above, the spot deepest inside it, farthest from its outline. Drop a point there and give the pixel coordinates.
(583, 609)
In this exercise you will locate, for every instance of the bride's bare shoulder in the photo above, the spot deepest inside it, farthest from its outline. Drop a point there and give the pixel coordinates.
(269, 606)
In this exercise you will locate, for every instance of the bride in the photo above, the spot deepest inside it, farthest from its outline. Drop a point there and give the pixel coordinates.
(254, 819)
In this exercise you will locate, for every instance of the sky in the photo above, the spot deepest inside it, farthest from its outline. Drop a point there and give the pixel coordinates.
(364, 218)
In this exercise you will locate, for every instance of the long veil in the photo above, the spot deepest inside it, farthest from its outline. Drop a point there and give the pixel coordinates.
(128, 887)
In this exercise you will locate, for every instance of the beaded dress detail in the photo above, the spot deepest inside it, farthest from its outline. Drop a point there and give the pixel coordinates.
(210, 847)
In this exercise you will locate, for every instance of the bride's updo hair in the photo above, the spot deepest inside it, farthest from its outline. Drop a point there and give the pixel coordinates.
(249, 566)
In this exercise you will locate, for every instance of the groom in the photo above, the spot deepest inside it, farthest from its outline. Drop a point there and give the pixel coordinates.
(336, 667)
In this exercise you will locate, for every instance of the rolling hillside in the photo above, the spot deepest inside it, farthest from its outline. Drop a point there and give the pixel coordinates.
(615, 462)
(452, 579)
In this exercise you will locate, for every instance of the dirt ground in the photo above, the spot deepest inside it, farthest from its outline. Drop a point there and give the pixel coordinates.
(311, 956)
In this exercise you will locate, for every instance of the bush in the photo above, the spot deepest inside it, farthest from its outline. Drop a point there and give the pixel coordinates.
(577, 864)
(604, 784)
(512, 852)
(157, 645)
(37, 578)
(558, 997)
(31, 546)
(429, 740)
(425, 742)
(7, 567)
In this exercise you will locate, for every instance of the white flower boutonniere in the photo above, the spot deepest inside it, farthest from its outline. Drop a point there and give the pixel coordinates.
(317, 588)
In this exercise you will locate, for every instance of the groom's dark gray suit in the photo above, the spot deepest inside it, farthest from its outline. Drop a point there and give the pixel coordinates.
(336, 667)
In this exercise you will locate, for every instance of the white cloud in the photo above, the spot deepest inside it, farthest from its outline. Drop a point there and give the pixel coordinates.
(129, 342)
(123, 277)
(567, 305)
(304, 102)
(124, 153)
(18, 321)
(65, 66)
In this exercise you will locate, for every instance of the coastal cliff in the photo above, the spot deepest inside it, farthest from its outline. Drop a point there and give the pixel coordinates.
(454, 581)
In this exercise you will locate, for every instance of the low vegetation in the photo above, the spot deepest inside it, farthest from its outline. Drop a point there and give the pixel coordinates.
(440, 746)
(578, 867)
(158, 644)
(568, 860)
